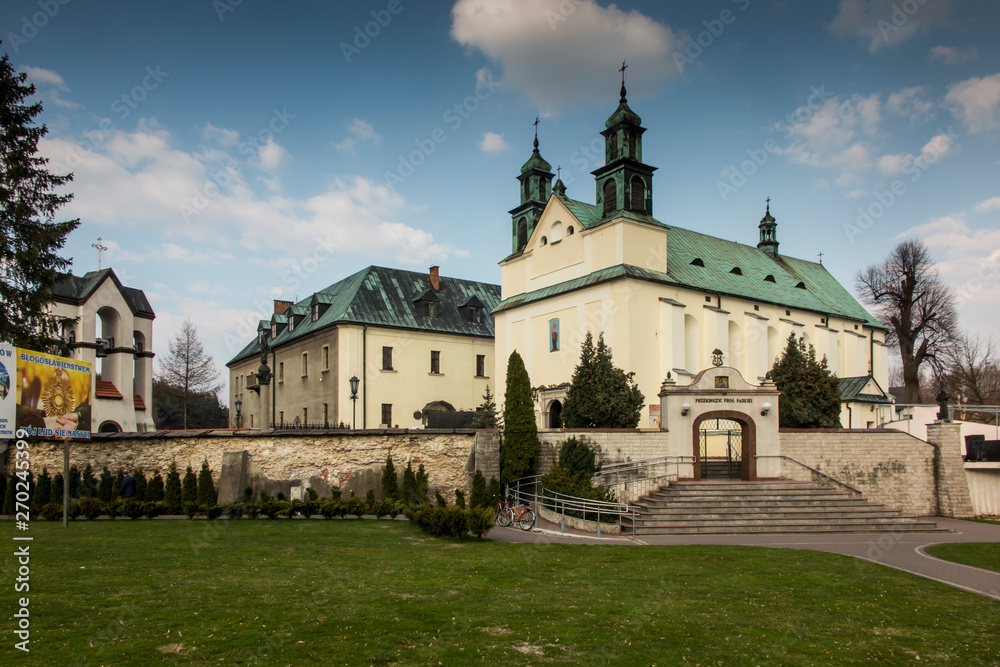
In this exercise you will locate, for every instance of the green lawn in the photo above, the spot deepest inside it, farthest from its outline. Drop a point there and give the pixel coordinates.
(985, 555)
(380, 592)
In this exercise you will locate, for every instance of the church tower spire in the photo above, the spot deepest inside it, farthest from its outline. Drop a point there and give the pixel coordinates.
(536, 186)
(768, 232)
(624, 183)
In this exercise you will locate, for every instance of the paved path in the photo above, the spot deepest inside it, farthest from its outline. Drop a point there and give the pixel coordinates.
(901, 550)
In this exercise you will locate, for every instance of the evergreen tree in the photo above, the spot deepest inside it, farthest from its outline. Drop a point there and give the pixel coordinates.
(601, 395)
(390, 480)
(56, 492)
(578, 457)
(422, 484)
(88, 486)
(154, 489)
(486, 413)
(810, 393)
(439, 499)
(410, 485)
(41, 491)
(140, 484)
(478, 498)
(75, 481)
(105, 486)
(493, 492)
(172, 490)
(119, 476)
(189, 487)
(459, 498)
(206, 489)
(29, 265)
(9, 496)
(3, 489)
(520, 433)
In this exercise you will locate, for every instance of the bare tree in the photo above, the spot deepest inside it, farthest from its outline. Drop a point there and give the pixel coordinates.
(188, 368)
(974, 371)
(917, 306)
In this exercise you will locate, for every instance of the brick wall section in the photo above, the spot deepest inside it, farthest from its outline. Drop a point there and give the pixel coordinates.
(312, 458)
(891, 468)
(954, 499)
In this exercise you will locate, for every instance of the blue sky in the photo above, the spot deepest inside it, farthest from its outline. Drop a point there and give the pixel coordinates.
(229, 153)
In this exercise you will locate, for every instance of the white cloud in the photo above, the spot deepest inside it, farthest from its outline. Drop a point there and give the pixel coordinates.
(890, 165)
(910, 103)
(938, 147)
(50, 84)
(271, 155)
(492, 143)
(221, 135)
(885, 23)
(951, 55)
(988, 205)
(579, 42)
(975, 101)
(361, 131)
(836, 136)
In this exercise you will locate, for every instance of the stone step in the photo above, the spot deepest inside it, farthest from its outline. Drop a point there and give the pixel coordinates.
(693, 505)
(749, 498)
(924, 527)
(773, 521)
(805, 512)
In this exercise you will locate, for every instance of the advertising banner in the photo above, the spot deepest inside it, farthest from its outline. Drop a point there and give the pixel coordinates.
(8, 397)
(53, 396)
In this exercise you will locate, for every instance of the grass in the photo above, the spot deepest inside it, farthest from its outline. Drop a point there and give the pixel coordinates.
(994, 521)
(985, 555)
(381, 592)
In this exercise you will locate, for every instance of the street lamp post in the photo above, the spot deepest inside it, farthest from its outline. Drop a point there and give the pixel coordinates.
(238, 404)
(354, 398)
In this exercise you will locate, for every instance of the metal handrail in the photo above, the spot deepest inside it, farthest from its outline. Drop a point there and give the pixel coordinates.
(629, 466)
(809, 467)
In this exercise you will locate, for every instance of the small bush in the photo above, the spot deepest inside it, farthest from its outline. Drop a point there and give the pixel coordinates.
(311, 506)
(252, 510)
(459, 498)
(51, 511)
(74, 509)
(133, 508)
(213, 511)
(234, 510)
(454, 520)
(113, 508)
(191, 508)
(439, 499)
(355, 506)
(153, 508)
(91, 507)
(480, 521)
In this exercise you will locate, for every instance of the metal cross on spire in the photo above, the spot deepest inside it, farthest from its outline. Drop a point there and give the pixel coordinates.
(536, 132)
(622, 70)
(100, 247)
(768, 200)
(821, 259)
(559, 172)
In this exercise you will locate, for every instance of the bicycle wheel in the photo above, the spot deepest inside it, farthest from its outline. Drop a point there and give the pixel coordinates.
(505, 517)
(526, 520)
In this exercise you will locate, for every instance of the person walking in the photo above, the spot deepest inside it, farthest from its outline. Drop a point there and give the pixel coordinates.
(128, 486)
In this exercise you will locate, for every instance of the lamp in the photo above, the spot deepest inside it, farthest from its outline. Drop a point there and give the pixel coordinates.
(354, 397)
(534, 394)
(238, 404)
(685, 408)
(764, 409)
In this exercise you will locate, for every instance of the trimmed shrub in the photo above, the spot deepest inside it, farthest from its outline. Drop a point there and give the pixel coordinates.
(51, 511)
(355, 506)
(172, 490)
(113, 509)
(91, 507)
(234, 510)
(459, 498)
(153, 508)
(206, 488)
(480, 520)
(479, 497)
(73, 511)
(252, 510)
(154, 489)
(189, 488)
(439, 499)
(132, 508)
(40, 492)
(191, 509)
(390, 480)
(214, 511)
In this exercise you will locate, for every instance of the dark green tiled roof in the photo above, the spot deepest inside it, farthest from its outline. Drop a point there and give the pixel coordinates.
(821, 293)
(74, 288)
(850, 391)
(383, 297)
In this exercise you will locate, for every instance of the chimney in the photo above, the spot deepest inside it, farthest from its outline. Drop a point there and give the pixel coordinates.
(435, 279)
(281, 307)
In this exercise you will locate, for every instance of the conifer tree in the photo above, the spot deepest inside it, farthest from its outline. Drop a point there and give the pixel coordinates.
(390, 480)
(493, 492)
(29, 239)
(154, 489)
(119, 476)
(601, 395)
(206, 488)
(88, 486)
(140, 484)
(172, 490)
(41, 491)
(105, 486)
(422, 484)
(486, 413)
(478, 498)
(410, 485)
(810, 393)
(459, 498)
(189, 488)
(3, 488)
(56, 490)
(9, 496)
(75, 482)
(520, 433)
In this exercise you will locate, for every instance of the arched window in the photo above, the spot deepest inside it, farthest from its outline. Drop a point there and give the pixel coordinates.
(522, 233)
(638, 195)
(543, 195)
(527, 190)
(613, 146)
(610, 196)
(631, 146)
(544, 241)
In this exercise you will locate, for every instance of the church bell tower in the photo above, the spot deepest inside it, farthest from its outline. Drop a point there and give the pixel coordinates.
(536, 186)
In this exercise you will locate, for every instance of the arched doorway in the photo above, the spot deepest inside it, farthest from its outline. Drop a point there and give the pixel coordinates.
(110, 427)
(725, 446)
(555, 414)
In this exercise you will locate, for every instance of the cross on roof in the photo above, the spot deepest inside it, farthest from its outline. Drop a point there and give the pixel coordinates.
(536, 126)
(821, 259)
(622, 70)
(100, 246)
(559, 172)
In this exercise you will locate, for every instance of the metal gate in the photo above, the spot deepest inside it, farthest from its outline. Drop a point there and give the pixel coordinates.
(721, 448)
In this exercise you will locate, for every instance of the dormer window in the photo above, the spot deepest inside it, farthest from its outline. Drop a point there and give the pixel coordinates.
(315, 312)
(769, 279)
(801, 285)
(475, 315)
(274, 331)
(736, 271)
(430, 309)
(260, 337)
(697, 262)
(291, 324)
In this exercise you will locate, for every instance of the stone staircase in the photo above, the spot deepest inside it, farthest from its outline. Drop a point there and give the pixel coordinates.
(730, 507)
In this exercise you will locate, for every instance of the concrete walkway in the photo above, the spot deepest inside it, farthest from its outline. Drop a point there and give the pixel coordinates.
(900, 550)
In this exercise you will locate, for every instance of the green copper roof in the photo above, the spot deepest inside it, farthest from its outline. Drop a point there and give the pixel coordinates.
(623, 114)
(820, 291)
(536, 161)
(383, 297)
(850, 390)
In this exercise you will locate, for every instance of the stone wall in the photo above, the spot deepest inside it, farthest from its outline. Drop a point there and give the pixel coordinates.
(613, 445)
(277, 461)
(888, 467)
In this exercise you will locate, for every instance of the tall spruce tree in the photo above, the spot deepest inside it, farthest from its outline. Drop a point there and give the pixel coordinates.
(810, 393)
(29, 263)
(189, 487)
(409, 491)
(206, 488)
(172, 490)
(105, 486)
(88, 487)
(520, 433)
(154, 488)
(390, 480)
(601, 395)
(486, 413)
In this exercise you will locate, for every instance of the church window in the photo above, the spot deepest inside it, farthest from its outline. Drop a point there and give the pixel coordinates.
(527, 190)
(697, 262)
(736, 271)
(544, 240)
(480, 365)
(570, 230)
(610, 196)
(305, 364)
(386, 358)
(522, 233)
(631, 146)
(613, 145)
(435, 362)
(769, 279)
(801, 285)
(708, 299)
(638, 195)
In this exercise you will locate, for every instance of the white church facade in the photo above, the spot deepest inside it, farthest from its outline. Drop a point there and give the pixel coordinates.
(666, 298)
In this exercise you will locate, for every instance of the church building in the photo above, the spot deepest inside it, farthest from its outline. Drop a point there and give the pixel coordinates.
(666, 298)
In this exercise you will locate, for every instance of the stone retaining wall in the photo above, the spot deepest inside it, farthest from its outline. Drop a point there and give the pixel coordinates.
(613, 445)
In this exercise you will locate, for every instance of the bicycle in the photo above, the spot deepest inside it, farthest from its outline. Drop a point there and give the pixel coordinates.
(502, 512)
(520, 515)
